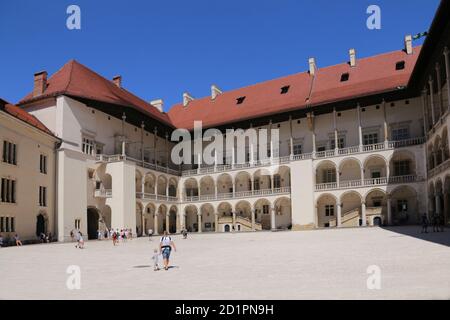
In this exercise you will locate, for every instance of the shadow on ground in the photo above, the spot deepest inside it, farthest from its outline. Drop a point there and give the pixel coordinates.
(442, 238)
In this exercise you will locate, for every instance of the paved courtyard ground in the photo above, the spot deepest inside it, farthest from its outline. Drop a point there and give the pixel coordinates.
(320, 264)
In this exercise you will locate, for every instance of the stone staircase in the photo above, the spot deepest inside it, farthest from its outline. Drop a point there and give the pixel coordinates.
(349, 219)
(246, 224)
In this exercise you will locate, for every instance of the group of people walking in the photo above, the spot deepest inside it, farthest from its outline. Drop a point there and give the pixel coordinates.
(437, 222)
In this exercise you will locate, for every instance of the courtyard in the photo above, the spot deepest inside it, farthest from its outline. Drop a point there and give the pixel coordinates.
(319, 264)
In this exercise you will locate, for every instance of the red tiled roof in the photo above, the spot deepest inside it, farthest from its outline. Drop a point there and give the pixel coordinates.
(21, 114)
(77, 80)
(371, 75)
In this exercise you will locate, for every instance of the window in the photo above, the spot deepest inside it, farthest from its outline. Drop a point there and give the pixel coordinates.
(402, 168)
(9, 152)
(77, 223)
(257, 185)
(400, 65)
(240, 100)
(329, 210)
(42, 196)
(265, 209)
(43, 164)
(329, 175)
(88, 146)
(277, 181)
(7, 224)
(2, 224)
(285, 89)
(375, 174)
(321, 148)
(8, 191)
(297, 149)
(345, 77)
(400, 133)
(341, 142)
(370, 138)
(402, 205)
(13, 224)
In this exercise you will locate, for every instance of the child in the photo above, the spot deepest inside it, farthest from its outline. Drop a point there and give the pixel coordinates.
(155, 259)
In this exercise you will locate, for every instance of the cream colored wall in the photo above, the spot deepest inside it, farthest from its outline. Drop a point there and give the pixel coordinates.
(30, 142)
(302, 199)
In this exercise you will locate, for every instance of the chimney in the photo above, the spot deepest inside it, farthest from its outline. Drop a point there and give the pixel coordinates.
(186, 99)
(312, 66)
(215, 91)
(40, 83)
(408, 44)
(118, 81)
(158, 104)
(352, 54)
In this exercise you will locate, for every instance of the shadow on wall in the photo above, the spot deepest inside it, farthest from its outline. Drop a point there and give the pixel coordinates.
(442, 238)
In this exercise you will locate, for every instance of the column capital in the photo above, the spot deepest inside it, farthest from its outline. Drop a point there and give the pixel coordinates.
(437, 66)
(430, 80)
(446, 51)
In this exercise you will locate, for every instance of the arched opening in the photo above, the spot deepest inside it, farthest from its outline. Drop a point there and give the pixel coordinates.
(375, 170)
(149, 218)
(138, 181)
(190, 188)
(41, 224)
(262, 179)
(224, 184)
(262, 213)
(139, 219)
(351, 213)
(404, 205)
(92, 223)
(243, 182)
(243, 211)
(350, 172)
(173, 219)
(402, 165)
(227, 228)
(162, 186)
(207, 187)
(376, 207)
(282, 178)
(162, 213)
(438, 150)
(439, 197)
(326, 173)
(225, 212)
(173, 187)
(191, 218)
(447, 200)
(149, 183)
(207, 217)
(431, 163)
(283, 214)
(445, 144)
(326, 211)
(431, 200)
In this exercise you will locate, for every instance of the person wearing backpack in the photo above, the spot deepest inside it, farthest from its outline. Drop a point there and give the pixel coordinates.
(165, 247)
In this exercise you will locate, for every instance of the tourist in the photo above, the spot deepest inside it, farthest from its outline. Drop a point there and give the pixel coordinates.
(130, 233)
(155, 259)
(184, 233)
(17, 239)
(72, 235)
(424, 223)
(165, 246)
(150, 233)
(114, 237)
(435, 221)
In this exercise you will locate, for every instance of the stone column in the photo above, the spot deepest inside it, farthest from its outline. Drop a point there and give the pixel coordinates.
(143, 223)
(363, 214)
(338, 214)
(253, 219)
(439, 88)
(216, 221)
(336, 138)
(167, 221)
(430, 84)
(437, 204)
(291, 139)
(155, 139)
(199, 215)
(234, 220)
(385, 125)
(272, 219)
(358, 110)
(183, 221)
(389, 210)
(425, 111)
(447, 73)
(155, 224)
(142, 143)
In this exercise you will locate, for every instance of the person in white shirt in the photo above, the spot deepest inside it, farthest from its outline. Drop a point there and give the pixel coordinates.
(165, 247)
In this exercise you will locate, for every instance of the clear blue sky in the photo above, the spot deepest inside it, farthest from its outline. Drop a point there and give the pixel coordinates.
(163, 48)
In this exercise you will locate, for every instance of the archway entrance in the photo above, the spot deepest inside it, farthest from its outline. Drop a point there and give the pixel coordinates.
(40, 225)
(227, 228)
(92, 223)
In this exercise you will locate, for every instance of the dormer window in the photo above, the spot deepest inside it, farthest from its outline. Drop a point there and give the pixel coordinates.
(345, 77)
(285, 89)
(240, 100)
(400, 65)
